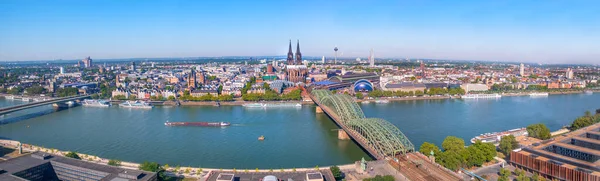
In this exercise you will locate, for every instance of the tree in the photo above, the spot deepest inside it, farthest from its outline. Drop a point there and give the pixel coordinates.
(150, 166)
(35, 90)
(453, 143)
(114, 162)
(171, 98)
(475, 156)
(73, 155)
(521, 176)
(359, 95)
(337, 174)
(507, 144)
(427, 147)
(539, 131)
(15, 90)
(450, 159)
(504, 174)
(488, 149)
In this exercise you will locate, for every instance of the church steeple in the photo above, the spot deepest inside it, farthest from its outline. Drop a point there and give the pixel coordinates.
(298, 54)
(290, 55)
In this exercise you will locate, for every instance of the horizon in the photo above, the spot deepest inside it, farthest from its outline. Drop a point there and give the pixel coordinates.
(511, 31)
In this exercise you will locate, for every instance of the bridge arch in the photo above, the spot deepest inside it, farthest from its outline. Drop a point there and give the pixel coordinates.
(379, 134)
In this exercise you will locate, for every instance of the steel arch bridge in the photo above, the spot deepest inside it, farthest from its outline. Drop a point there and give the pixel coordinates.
(379, 134)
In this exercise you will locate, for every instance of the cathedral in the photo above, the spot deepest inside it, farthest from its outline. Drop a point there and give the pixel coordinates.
(295, 70)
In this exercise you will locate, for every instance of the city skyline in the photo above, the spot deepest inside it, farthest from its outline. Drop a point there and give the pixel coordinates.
(550, 33)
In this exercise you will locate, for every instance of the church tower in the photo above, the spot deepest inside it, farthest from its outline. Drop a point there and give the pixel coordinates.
(298, 54)
(290, 55)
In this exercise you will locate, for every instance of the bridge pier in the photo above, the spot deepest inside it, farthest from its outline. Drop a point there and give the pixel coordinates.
(342, 135)
(318, 109)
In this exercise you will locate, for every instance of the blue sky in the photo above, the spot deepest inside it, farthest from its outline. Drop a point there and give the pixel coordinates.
(543, 31)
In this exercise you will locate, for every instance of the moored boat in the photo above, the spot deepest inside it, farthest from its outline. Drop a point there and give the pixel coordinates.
(539, 94)
(588, 92)
(136, 104)
(481, 96)
(254, 105)
(496, 136)
(95, 103)
(382, 101)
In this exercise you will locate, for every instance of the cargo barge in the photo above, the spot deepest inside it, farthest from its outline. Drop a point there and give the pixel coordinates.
(201, 124)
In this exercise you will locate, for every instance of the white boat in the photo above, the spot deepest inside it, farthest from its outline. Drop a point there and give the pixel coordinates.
(282, 105)
(95, 103)
(26, 99)
(382, 101)
(254, 105)
(481, 96)
(496, 136)
(588, 92)
(539, 94)
(136, 105)
(10, 97)
(365, 102)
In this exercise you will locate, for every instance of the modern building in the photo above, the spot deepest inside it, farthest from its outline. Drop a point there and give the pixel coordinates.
(371, 58)
(405, 87)
(62, 70)
(569, 73)
(572, 156)
(522, 70)
(44, 166)
(87, 62)
(132, 66)
(363, 85)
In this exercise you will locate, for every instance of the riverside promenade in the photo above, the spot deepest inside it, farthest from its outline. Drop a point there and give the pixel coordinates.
(204, 174)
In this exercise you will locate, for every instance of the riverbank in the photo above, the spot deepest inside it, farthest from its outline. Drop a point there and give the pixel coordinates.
(177, 171)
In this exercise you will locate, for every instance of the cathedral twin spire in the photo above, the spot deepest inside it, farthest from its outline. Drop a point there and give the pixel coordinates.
(290, 55)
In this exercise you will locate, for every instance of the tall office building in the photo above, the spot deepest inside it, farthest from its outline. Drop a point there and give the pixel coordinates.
(569, 73)
(133, 66)
(522, 70)
(323, 60)
(87, 62)
(62, 70)
(372, 58)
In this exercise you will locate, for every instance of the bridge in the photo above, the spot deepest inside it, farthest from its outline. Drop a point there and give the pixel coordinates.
(378, 137)
(7, 110)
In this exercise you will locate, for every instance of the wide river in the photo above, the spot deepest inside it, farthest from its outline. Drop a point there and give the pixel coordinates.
(295, 137)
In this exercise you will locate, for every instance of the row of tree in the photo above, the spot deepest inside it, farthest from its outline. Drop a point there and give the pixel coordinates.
(586, 120)
(207, 97)
(455, 155)
(67, 91)
(431, 92)
(271, 95)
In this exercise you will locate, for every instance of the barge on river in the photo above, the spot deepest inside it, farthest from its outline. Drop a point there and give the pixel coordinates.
(201, 124)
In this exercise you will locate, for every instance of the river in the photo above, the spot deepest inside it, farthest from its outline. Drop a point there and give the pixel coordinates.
(295, 137)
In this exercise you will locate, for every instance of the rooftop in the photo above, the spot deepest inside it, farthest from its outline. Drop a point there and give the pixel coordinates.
(22, 165)
(579, 149)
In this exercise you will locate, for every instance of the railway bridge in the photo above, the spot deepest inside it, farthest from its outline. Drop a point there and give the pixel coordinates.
(378, 137)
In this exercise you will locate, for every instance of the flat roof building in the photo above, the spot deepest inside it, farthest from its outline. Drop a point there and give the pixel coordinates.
(44, 166)
(572, 156)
